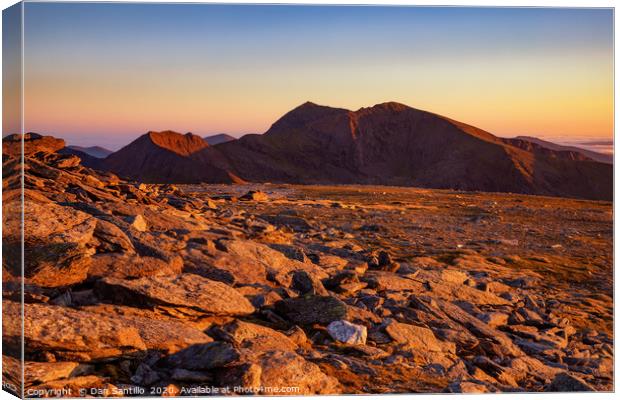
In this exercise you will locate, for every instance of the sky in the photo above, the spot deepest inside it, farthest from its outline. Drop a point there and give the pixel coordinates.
(106, 73)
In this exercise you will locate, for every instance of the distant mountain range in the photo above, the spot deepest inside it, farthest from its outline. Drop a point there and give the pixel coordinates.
(219, 138)
(94, 151)
(387, 144)
(600, 157)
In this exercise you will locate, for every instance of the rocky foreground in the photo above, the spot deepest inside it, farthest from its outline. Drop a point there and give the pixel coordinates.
(274, 289)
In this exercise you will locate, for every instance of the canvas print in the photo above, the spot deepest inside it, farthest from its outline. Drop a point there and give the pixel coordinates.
(233, 199)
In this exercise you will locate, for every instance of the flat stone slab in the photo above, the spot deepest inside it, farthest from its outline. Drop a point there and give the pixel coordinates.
(185, 290)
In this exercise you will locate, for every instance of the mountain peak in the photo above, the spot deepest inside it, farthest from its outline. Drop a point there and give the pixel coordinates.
(176, 142)
(391, 106)
(303, 114)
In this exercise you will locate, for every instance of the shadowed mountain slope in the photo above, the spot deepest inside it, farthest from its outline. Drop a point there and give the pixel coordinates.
(162, 157)
(219, 138)
(393, 144)
(87, 159)
(93, 151)
(387, 144)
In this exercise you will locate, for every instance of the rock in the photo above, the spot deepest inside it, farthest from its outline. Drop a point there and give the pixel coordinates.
(450, 291)
(528, 317)
(67, 161)
(525, 282)
(369, 352)
(496, 342)
(384, 259)
(55, 243)
(129, 266)
(210, 204)
(293, 252)
(564, 382)
(416, 336)
(32, 143)
(310, 310)
(346, 332)
(41, 372)
(383, 280)
(494, 319)
(257, 337)
(297, 336)
(111, 238)
(202, 356)
(246, 375)
(93, 334)
(71, 334)
(71, 386)
(521, 367)
(185, 375)
(281, 371)
(345, 282)
(185, 290)
(297, 224)
(253, 263)
(461, 386)
(254, 195)
(306, 284)
(144, 376)
(495, 370)
(137, 222)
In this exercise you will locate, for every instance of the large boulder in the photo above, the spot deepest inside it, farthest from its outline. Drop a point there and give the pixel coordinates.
(70, 334)
(417, 337)
(56, 243)
(124, 266)
(310, 310)
(33, 142)
(270, 263)
(90, 335)
(182, 291)
(278, 373)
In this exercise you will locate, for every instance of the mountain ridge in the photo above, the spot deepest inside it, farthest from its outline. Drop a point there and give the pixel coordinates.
(385, 144)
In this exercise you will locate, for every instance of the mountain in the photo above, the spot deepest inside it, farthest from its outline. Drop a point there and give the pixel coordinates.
(219, 138)
(393, 144)
(596, 156)
(387, 144)
(163, 157)
(93, 151)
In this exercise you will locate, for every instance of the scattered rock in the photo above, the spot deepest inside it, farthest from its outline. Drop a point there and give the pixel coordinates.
(281, 370)
(138, 223)
(564, 382)
(202, 356)
(307, 284)
(312, 309)
(257, 337)
(254, 195)
(416, 336)
(346, 332)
